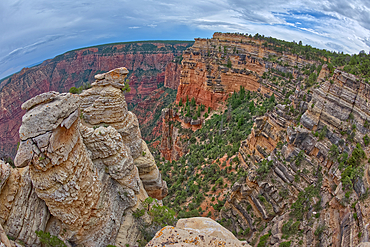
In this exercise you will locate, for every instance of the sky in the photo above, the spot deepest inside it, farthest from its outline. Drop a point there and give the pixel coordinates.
(35, 30)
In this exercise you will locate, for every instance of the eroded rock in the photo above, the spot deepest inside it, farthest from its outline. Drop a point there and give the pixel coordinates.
(197, 231)
(81, 175)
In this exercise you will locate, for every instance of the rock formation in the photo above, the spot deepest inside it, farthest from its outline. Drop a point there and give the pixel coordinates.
(196, 232)
(82, 166)
(294, 183)
(172, 146)
(172, 75)
(146, 61)
(214, 68)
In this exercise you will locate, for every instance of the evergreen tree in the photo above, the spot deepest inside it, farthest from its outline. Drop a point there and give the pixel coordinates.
(193, 103)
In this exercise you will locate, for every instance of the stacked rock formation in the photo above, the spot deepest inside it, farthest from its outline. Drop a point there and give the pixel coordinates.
(82, 167)
(149, 64)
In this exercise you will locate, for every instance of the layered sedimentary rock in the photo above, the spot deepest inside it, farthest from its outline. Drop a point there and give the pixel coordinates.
(84, 166)
(17, 194)
(285, 162)
(338, 104)
(146, 61)
(213, 68)
(172, 147)
(172, 75)
(195, 232)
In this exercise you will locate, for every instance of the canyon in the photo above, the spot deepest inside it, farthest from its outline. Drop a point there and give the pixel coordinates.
(254, 141)
(151, 66)
(299, 177)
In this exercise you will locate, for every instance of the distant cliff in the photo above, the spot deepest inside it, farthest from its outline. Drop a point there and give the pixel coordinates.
(150, 64)
(214, 68)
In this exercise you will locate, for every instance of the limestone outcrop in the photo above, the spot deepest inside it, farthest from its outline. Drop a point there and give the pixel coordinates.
(82, 165)
(197, 231)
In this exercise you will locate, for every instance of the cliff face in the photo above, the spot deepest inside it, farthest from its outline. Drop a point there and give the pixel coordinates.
(296, 175)
(172, 146)
(172, 75)
(146, 61)
(82, 168)
(213, 68)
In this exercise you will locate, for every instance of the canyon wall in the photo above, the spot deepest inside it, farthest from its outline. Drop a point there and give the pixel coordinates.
(82, 168)
(147, 62)
(296, 180)
(214, 68)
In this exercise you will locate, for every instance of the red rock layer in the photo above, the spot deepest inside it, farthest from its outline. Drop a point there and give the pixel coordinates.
(149, 111)
(172, 148)
(214, 68)
(172, 75)
(146, 61)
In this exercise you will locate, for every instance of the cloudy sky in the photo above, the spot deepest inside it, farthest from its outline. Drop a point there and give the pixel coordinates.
(35, 30)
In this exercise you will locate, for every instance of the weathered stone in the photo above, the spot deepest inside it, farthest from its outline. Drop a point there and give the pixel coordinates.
(67, 123)
(22, 212)
(84, 177)
(364, 244)
(195, 232)
(39, 99)
(42, 141)
(25, 153)
(47, 116)
(4, 241)
(5, 170)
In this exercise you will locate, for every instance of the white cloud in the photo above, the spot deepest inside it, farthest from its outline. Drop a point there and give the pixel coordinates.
(39, 29)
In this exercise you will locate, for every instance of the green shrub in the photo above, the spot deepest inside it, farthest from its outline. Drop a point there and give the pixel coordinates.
(366, 139)
(138, 213)
(263, 240)
(334, 152)
(322, 133)
(319, 230)
(300, 157)
(285, 244)
(50, 240)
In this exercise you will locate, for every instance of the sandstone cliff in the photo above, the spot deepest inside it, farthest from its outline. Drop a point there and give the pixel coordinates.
(214, 68)
(150, 65)
(82, 168)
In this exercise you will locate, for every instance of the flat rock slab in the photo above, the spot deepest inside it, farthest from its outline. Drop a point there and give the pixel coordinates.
(42, 98)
